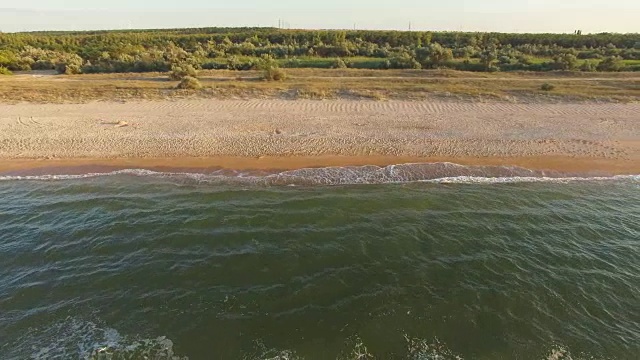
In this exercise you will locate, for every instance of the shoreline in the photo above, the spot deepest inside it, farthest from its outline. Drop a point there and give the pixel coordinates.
(78, 166)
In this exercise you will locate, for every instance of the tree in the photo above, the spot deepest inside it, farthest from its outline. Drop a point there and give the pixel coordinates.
(488, 59)
(437, 55)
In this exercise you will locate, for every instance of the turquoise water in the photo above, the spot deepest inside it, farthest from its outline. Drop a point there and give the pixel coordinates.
(219, 267)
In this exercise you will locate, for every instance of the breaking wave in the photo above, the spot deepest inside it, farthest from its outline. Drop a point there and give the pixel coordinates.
(77, 339)
(352, 175)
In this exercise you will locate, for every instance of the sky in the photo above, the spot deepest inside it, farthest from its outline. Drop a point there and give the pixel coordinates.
(561, 16)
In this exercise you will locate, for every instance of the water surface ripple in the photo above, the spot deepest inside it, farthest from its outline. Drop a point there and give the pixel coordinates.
(216, 270)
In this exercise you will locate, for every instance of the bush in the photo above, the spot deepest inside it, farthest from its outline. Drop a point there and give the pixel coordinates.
(234, 63)
(434, 55)
(43, 65)
(403, 61)
(488, 59)
(611, 63)
(588, 66)
(5, 71)
(68, 69)
(339, 64)
(190, 83)
(69, 64)
(274, 74)
(547, 87)
(271, 70)
(179, 72)
(565, 62)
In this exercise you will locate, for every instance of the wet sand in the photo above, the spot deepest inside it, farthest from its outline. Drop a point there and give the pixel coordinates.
(280, 134)
(569, 165)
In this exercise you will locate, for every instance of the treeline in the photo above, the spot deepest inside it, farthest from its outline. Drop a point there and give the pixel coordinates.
(241, 49)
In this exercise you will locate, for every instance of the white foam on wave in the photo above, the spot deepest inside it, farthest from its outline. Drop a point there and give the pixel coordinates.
(73, 338)
(442, 173)
(521, 179)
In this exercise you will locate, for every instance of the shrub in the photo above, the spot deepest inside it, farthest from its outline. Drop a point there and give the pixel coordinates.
(43, 65)
(234, 63)
(403, 61)
(190, 83)
(179, 72)
(68, 69)
(547, 87)
(488, 59)
(6, 58)
(5, 71)
(611, 63)
(565, 62)
(588, 66)
(506, 60)
(69, 64)
(434, 55)
(524, 60)
(271, 70)
(274, 74)
(339, 64)
(215, 65)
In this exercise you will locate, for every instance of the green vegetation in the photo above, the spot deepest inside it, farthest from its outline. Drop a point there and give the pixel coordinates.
(330, 84)
(242, 48)
(189, 83)
(271, 70)
(547, 87)
(5, 71)
(611, 63)
(182, 71)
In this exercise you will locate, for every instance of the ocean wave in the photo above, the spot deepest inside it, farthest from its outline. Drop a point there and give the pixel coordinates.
(353, 175)
(73, 338)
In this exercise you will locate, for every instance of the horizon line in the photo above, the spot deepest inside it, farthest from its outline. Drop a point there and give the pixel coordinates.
(142, 29)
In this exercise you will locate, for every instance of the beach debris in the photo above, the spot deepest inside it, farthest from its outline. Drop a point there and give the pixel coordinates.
(278, 132)
(117, 124)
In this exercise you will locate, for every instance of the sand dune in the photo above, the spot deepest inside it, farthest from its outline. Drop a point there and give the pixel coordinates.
(207, 128)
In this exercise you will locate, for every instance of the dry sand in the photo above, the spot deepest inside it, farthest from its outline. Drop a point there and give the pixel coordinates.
(287, 134)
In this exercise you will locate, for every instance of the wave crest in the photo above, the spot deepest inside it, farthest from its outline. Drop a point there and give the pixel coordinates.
(351, 175)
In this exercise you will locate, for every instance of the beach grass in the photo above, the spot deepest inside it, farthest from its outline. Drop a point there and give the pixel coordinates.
(327, 84)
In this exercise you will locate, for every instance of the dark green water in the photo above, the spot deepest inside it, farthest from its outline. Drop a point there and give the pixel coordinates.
(222, 270)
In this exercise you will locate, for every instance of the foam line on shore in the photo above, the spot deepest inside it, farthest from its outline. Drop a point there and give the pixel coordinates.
(350, 175)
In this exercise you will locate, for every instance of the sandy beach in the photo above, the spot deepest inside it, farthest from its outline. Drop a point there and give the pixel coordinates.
(263, 134)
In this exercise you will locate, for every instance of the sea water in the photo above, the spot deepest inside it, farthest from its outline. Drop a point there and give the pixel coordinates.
(416, 261)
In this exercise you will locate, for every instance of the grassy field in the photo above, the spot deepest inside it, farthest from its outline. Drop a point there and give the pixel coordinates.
(328, 84)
